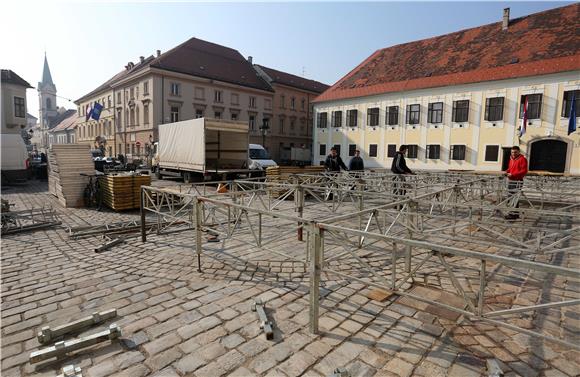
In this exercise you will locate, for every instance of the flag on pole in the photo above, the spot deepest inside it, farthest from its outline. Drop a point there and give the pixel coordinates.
(96, 111)
(524, 118)
(89, 111)
(572, 119)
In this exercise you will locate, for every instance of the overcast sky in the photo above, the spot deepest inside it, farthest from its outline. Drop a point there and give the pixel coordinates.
(87, 43)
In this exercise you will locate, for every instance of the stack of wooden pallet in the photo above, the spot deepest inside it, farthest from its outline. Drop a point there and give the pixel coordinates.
(282, 174)
(122, 191)
(66, 163)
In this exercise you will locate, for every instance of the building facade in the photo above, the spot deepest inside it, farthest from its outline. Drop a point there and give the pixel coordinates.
(291, 122)
(195, 79)
(65, 131)
(458, 100)
(13, 102)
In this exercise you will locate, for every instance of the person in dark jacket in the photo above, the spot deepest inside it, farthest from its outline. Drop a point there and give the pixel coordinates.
(356, 163)
(333, 161)
(399, 167)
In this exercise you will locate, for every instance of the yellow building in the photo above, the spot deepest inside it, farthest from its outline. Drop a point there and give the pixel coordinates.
(457, 100)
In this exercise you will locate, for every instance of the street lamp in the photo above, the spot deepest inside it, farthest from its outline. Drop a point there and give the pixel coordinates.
(264, 128)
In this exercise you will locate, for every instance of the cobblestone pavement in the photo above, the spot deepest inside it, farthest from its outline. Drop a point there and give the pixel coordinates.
(178, 322)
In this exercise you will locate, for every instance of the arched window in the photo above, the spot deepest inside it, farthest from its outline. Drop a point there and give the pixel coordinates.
(48, 104)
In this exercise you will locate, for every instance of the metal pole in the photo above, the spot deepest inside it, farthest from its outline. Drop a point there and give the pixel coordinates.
(315, 267)
(198, 209)
(143, 230)
(481, 288)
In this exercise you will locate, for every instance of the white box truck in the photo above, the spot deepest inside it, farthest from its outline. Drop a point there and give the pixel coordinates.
(202, 149)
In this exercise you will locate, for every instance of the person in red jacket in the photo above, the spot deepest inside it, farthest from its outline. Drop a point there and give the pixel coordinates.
(516, 171)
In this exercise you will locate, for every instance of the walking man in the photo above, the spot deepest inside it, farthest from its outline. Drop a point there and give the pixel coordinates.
(356, 163)
(333, 162)
(399, 167)
(516, 171)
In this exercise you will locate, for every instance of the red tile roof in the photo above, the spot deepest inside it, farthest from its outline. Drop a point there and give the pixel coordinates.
(209, 60)
(68, 122)
(279, 77)
(538, 44)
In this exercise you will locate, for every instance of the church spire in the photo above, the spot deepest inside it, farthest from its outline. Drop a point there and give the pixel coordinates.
(46, 76)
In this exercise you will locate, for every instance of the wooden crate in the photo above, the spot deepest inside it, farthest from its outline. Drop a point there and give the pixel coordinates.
(66, 162)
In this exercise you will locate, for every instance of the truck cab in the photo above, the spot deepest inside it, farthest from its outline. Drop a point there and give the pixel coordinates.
(259, 158)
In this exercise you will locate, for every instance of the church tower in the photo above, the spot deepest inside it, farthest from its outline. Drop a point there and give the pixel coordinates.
(47, 97)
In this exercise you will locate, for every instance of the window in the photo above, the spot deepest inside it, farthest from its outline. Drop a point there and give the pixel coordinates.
(281, 125)
(198, 113)
(351, 118)
(457, 152)
(433, 151)
(137, 119)
(534, 106)
(413, 113)
(253, 102)
(108, 101)
(200, 94)
(460, 111)
(392, 116)
(337, 147)
(174, 89)
(292, 126)
(567, 103)
(118, 97)
(282, 101)
(234, 116)
(412, 150)
(336, 119)
(174, 114)
(373, 150)
(132, 91)
(322, 120)
(351, 149)
(494, 109)
(146, 87)
(391, 150)
(132, 119)
(435, 112)
(322, 150)
(252, 122)
(136, 92)
(267, 103)
(19, 107)
(48, 104)
(293, 103)
(303, 104)
(217, 96)
(491, 152)
(217, 114)
(373, 117)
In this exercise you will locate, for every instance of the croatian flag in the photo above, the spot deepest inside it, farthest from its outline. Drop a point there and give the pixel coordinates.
(572, 120)
(89, 111)
(525, 118)
(96, 111)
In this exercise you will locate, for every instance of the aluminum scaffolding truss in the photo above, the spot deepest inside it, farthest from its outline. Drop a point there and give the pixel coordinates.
(28, 220)
(418, 237)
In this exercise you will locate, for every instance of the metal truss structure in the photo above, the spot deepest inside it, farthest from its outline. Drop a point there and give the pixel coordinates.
(28, 220)
(411, 235)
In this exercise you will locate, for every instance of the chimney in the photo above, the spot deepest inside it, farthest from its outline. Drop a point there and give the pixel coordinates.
(141, 59)
(250, 59)
(158, 53)
(506, 19)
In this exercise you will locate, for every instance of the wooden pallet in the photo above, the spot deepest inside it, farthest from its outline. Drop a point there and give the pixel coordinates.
(281, 174)
(123, 191)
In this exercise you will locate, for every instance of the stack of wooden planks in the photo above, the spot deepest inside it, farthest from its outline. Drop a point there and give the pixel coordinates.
(66, 163)
(122, 191)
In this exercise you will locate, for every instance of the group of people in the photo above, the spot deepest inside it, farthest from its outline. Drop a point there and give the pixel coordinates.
(515, 173)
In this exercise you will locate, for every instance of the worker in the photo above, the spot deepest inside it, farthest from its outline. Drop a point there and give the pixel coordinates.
(356, 163)
(399, 167)
(333, 161)
(515, 173)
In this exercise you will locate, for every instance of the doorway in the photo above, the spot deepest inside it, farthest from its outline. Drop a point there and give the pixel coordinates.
(548, 155)
(505, 160)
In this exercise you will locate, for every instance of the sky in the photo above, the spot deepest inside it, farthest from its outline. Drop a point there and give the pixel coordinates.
(88, 42)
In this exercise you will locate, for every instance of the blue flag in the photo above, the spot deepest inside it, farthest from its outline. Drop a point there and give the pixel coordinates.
(96, 112)
(572, 120)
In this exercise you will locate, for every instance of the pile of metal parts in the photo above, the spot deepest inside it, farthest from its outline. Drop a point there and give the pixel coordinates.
(445, 231)
(26, 220)
(60, 348)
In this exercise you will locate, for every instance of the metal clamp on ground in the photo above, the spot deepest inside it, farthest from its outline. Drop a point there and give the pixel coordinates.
(259, 307)
(47, 334)
(64, 347)
(71, 371)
